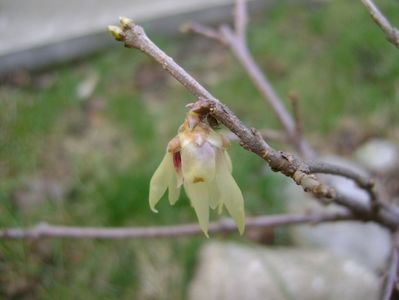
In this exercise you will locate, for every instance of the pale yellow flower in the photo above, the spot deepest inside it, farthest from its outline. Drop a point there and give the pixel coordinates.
(197, 159)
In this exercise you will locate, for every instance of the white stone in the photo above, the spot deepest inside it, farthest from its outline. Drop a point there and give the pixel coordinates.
(236, 272)
(366, 243)
(378, 155)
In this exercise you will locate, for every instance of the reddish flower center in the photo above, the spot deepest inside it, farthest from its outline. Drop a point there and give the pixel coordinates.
(177, 161)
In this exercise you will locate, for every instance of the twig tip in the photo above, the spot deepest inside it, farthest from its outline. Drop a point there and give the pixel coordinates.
(186, 27)
(116, 32)
(125, 22)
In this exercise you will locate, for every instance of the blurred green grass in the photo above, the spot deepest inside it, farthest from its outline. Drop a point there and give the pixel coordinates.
(333, 56)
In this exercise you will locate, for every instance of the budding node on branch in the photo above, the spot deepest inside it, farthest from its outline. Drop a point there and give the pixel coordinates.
(125, 22)
(116, 32)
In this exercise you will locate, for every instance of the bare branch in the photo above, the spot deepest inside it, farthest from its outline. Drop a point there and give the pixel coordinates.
(289, 165)
(225, 225)
(241, 19)
(267, 134)
(237, 43)
(297, 115)
(135, 37)
(362, 181)
(238, 46)
(293, 167)
(260, 80)
(241, 52)
(253, 141)
(392, 276)
(206, 31)
(391, 33)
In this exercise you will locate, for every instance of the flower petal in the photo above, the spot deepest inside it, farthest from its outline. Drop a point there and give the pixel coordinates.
(199, 196)
(220, 207)
(198, 163)
(215, 139)
(231, 195)
(174, 189)
(160, 180)
(214, 196)
(228, 162)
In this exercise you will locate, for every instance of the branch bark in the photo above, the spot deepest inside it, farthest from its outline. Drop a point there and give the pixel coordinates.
(392, 277)
(225, 225)
(267, 134)
(135, 37)
(236, 40)
(238, 46)
(391, 33)
(259, 78)
(208, 32)
(297, 115)
(362, 181)
(240, 20)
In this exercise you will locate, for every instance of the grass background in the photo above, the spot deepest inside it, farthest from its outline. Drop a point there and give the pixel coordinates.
(70, 161)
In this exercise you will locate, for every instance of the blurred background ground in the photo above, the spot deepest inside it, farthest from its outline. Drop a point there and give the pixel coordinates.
(80, 141)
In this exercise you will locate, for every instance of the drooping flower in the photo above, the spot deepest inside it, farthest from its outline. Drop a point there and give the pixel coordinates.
(197, 159)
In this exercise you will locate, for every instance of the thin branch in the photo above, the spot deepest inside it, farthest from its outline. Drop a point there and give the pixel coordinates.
(241, 52)
(237, 41)
(239, 48)
(135, 37)
(259, 78)
(391, 279)
(292, 166)
(225, 225)
(267, 134)
(263, 84)
(241, 19)
(285, 163)
(297, 115)
(391, 33)
(206, 31)
(362, 181)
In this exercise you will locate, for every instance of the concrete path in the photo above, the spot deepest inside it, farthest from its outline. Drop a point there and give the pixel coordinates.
(34, 33)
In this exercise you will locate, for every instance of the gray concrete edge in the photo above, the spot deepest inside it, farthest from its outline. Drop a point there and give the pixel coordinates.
(67, 50)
